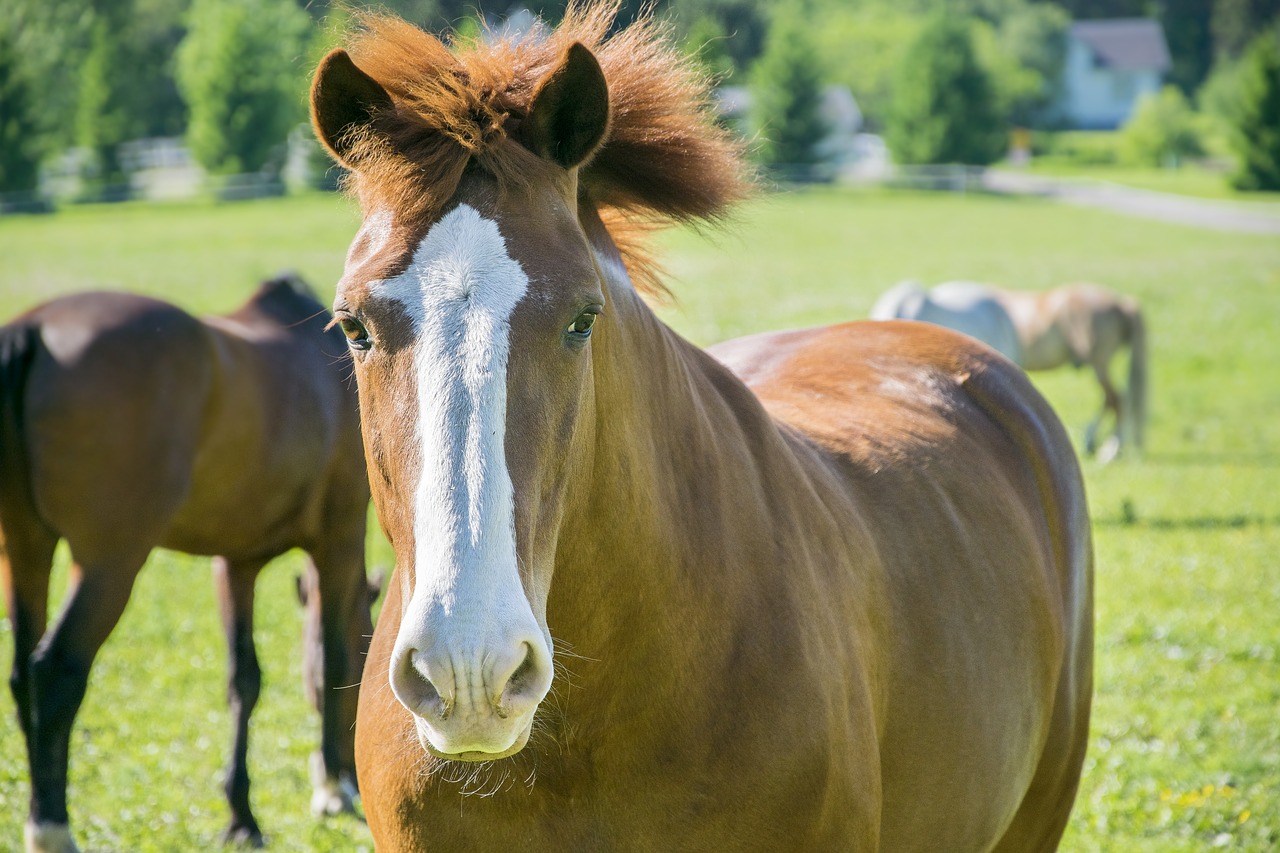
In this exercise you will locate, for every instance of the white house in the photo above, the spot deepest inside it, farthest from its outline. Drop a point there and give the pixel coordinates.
(1110, 64)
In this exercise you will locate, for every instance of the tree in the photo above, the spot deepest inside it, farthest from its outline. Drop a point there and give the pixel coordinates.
(944, 109)
(238, 71)
(1034, 41)
(1257, 125)
(19, 143)
(1162, 130)
(786, 90)
(103, 120)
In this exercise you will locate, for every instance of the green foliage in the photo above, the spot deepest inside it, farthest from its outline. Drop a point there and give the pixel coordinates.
(19, 142)
(707, 42)
(945, 108)
(786, 88)
(1027, 68)
(103, 119)
(1257, 125)
(862, 46)
(735, 29)
(239, 74)
(1162, 130)
(1078, 147)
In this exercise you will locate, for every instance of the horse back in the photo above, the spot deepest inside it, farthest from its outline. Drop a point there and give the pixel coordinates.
(144, 425)
(971, 550)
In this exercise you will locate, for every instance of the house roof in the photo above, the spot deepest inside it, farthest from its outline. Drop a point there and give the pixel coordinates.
(1125, 43)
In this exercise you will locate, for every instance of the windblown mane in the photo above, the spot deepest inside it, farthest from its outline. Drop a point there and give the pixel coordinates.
(663, 160)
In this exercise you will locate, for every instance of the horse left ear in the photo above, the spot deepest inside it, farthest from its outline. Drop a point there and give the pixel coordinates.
(569, 113)
(344, 99)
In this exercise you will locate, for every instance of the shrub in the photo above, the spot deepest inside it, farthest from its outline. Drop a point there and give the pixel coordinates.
(1162, 130)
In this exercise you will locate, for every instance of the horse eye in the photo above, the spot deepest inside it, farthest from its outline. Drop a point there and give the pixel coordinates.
(357, 335)
(581, 326)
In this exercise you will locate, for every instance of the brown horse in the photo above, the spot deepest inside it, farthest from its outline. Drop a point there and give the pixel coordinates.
(845, 604)
(127, 424)
(1083, 324)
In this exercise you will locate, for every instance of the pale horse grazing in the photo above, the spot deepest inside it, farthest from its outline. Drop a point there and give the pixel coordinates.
(961, 305)
(1075, 324)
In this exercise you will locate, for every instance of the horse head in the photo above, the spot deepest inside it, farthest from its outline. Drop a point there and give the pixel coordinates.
(469, 313)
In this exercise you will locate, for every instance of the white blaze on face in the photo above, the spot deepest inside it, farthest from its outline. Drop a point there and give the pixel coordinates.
(468, 614)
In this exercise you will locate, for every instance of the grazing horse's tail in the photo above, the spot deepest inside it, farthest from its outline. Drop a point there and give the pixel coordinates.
(1136, 387)
(17, 348)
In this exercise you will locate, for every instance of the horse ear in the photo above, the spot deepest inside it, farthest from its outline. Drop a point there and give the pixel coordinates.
(569, 113)
(343, 99)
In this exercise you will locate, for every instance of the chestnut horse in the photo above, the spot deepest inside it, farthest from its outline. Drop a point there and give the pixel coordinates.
(821, 590)
(1075, 324)
(127, 424)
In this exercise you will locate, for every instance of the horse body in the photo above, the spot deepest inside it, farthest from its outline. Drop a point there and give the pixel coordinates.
(820, 590)
(136, 425)
(766, 654)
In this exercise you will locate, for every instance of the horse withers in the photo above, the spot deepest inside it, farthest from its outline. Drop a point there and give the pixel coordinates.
(822, 590)
(1076, 324)
(126, 424)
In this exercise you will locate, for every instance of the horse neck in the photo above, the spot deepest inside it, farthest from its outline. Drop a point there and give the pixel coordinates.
(642, 576)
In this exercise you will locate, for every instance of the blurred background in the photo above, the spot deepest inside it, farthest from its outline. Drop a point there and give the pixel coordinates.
(112, 99)
(161, 146)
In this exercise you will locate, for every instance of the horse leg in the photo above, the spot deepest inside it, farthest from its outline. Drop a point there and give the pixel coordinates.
(25, 557)
(25, 561)
(59, 676)
(1111, 402)
(344, 630)
(235, 585)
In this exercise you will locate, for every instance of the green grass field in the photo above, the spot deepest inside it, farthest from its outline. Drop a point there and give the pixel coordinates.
(1185, 754)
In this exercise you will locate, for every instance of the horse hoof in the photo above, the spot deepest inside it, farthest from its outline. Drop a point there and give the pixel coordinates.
(243, 836)
(49, 838)
(1109, 450)
(332, 798)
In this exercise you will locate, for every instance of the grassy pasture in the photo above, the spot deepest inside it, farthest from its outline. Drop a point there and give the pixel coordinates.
(1185, 753)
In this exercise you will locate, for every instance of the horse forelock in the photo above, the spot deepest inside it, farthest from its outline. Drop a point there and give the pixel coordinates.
(458, 106)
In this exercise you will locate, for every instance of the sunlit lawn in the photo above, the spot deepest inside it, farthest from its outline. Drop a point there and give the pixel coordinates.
(1186, 747)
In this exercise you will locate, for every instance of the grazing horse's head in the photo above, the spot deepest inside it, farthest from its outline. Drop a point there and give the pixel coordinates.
(469, 299)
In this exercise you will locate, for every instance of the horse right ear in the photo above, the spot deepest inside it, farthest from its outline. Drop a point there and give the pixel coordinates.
(343, 100)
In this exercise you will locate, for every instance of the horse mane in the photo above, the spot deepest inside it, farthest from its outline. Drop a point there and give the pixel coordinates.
(663, 160)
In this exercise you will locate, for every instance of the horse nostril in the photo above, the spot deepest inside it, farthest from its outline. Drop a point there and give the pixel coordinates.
(526, 682)
(414, 688)
(523, 670)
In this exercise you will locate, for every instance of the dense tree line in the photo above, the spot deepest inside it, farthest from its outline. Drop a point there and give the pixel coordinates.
(231, 75)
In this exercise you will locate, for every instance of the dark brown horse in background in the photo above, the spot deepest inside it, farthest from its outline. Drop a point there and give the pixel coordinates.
(126, 424)
(822, 590)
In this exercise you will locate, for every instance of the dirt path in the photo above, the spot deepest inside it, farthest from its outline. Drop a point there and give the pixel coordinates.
(1248, 217)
